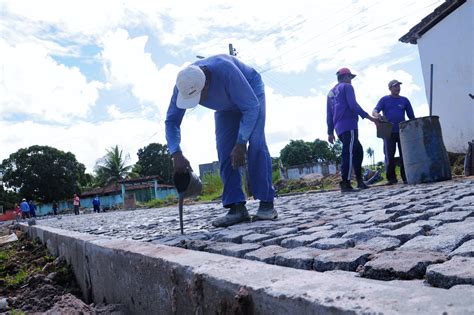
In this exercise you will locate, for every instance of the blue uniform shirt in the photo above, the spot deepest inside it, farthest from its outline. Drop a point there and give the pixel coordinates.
(394, 109)
(24, 206)
(342, 109)
(234, 86)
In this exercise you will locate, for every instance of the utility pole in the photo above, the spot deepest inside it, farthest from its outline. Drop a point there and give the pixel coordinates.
(232, 50)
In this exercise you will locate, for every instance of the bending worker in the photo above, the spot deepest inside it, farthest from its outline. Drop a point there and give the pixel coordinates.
(236, 92)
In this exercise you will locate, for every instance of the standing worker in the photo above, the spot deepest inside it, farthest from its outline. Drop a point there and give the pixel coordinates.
(76, 202)
(96, 203)
(55, 207)
(342, 116)
(394, 108)
(236, 92)
(32, 208)
(25, 209)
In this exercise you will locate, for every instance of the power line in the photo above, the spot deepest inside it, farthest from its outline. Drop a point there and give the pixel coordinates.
(344, 41)
(321, 33)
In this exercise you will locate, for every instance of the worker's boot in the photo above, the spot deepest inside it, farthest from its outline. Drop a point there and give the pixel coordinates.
(237, 213)
(361, 184)
(346, 186)
(266, 211)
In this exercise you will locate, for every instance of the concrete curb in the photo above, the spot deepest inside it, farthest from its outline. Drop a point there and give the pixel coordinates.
(156, 279)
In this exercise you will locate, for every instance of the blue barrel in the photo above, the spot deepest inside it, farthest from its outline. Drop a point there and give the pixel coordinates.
(424, 155)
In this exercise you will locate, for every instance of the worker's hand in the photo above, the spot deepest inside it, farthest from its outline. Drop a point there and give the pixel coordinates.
(237, 155)
(180, 163)
(376, 114)
(376, 121)
(331, 139)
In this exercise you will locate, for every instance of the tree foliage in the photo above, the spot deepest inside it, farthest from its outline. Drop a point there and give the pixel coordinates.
(321, 151)
(302, 152)
(154, 159)
(336, 151)
(296, 152)
(43, 173)
(112, 167)
(8, 199)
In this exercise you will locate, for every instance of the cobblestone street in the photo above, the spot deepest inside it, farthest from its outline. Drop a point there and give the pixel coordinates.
(396, 232)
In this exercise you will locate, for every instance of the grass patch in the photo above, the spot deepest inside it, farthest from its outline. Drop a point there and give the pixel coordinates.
(212, 187)
(17, 279)
(158, 203)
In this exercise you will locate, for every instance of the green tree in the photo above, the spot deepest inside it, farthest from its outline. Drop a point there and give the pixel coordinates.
(336, 151)
(112, 167)
(43, 173)
(321, 151)
(154, 159)
(297, 152)
(8, 198)
(371, 155)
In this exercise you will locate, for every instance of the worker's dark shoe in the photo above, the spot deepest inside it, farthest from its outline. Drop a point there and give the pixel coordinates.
(237, 213)
(346, 186)
(266, 211)
(392, 182)
(361, 184)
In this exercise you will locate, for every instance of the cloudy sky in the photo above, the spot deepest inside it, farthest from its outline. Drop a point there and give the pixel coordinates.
(83, 76)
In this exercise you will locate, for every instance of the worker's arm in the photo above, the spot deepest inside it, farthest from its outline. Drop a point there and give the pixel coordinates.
(378, 108)
(329, 117)
(174, 117)
(351, 101)
(409, 110)
(242, 95)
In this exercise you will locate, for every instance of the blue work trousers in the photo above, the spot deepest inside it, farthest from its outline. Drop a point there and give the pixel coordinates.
(389, 147)
(352, 154)
(258, 157)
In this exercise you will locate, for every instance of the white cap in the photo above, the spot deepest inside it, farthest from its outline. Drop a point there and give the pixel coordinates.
(190, 82)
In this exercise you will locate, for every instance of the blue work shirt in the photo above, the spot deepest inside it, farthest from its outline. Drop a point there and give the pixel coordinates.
(24, 206)
(342, 109)
(234, 86)
(394, 109)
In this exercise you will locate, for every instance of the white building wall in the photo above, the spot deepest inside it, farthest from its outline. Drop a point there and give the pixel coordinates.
(296, 172)
(449, 46)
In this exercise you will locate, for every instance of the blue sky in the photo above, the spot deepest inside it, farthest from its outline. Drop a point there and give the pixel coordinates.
(83, 76)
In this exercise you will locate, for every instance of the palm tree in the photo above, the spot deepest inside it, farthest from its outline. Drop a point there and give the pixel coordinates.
(112, 167)
(371, 154)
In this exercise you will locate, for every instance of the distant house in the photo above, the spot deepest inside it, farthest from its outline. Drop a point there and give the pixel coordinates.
(208, 168)
(142, 189)
(445, 39)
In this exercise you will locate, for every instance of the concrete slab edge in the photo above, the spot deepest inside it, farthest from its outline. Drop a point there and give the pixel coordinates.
(156, 279)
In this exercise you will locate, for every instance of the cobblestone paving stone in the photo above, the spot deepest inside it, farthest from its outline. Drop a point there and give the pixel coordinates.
(388, 232)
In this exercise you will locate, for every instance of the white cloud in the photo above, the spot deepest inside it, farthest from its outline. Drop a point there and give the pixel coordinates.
(307, 37)
(128, 65)
(33, 83)
(87, 141)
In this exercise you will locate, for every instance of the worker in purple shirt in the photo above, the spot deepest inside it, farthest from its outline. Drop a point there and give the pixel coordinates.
(236, 92)
(394, 108)
(342, 116)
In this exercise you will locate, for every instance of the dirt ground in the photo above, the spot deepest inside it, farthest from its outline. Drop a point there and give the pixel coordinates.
(33, 281)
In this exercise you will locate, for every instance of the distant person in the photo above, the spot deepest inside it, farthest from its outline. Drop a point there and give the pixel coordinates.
(55, 207)
(236, 92)
(32, 208)
(394, 108)
(342, 116)
(17, 212)
(25, 209)
(76, 202)
(96, 204)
